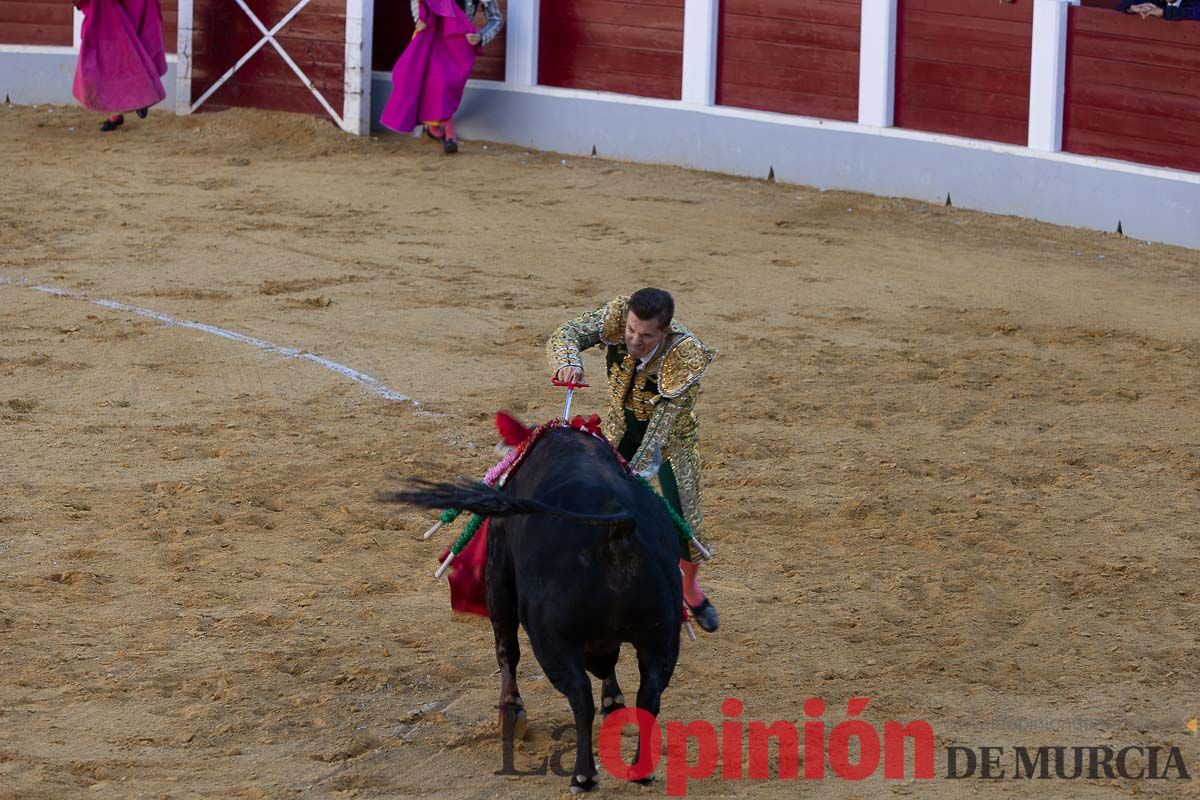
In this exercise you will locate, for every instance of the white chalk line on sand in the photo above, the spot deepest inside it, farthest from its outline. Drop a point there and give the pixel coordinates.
(371, 384)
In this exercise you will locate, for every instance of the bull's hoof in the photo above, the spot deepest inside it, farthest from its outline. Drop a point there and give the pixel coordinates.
(611, 704)
(514, 719)
(585, 785)
(520, 724)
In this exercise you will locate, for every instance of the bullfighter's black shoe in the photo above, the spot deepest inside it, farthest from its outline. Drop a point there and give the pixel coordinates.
(112, 123)
(143, 112)
(706, 616)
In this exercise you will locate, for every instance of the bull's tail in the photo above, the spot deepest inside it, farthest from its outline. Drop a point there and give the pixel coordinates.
(481, 499)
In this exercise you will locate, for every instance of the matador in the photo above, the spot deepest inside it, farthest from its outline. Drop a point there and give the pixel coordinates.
(654, 366)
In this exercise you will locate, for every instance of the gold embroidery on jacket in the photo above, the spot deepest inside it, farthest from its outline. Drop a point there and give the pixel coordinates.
(683, 365)
(612, 325)
(641, 401)
(619, 376)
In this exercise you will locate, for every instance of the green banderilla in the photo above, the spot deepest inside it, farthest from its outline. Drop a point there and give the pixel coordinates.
(462, 541)
(686, 534)
(446, 517)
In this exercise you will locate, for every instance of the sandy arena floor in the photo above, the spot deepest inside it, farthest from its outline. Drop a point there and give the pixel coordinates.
(953, 459)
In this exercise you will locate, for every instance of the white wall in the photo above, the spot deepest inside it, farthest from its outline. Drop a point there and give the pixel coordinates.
(35, 75)
(1036, 181)
(1150, 203)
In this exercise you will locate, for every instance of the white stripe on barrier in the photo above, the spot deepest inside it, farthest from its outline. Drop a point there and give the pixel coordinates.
(371, 384)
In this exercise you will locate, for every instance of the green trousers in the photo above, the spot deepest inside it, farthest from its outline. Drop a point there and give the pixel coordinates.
(635, 429)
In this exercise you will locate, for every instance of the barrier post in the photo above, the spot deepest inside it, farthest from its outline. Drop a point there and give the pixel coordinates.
(1048, 74)
(701, 22)
(877, 63)
(521, 43)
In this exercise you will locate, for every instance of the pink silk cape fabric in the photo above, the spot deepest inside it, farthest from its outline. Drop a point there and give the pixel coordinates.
(121, 56)
(430, 75)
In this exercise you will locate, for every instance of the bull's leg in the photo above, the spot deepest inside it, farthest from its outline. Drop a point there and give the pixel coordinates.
(502, 607)
(566, 672)
(578, 689)
(508, 654)
(604, 667)
(655, 673)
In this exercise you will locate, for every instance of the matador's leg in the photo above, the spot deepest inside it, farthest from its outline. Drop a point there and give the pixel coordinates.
(679, 478)
(685, 467)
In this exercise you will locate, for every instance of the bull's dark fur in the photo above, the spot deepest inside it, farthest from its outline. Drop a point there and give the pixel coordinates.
(586, 559)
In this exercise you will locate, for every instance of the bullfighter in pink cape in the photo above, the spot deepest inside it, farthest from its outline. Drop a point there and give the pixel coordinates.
(121, 58)
(430, 75)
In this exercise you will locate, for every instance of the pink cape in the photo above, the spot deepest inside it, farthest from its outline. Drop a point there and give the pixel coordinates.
(121, 56)
(430, 75)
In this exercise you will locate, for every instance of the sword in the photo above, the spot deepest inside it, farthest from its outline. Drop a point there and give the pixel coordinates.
(571, 386)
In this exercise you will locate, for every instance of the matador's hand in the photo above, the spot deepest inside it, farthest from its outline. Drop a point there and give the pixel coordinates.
(570, 374)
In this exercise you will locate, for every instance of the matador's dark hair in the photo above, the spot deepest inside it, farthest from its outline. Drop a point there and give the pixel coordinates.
(653, 304)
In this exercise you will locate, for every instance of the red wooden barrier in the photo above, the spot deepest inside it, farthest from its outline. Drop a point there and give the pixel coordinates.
(170, 14)
(1133, 89)
(37, 22)
(627, 46)
(315, 39)
(790, 56)
(963, 68)
(394, 29)
(52, 22)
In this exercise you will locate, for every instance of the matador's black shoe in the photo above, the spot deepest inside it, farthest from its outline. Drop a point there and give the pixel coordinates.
(112, 123)
(706, 616)
(142, 112)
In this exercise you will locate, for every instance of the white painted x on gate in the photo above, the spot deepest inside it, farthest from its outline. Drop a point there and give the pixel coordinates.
(355, 117)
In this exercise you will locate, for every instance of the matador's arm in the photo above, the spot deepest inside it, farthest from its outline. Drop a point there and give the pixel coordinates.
(493, 21)
(566, 343)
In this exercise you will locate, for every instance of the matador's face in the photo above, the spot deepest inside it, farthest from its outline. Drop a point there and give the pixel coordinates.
(642, 336)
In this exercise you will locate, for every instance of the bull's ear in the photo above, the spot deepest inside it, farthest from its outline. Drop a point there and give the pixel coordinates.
(511, 429)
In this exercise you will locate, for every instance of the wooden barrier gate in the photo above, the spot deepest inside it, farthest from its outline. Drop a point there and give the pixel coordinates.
(244, 53)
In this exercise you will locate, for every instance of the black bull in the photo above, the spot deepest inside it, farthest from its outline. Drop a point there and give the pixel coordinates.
(585, 558)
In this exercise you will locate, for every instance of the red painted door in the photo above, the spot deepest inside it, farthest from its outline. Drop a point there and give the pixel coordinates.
(52, 22)
(626, 46)
(170, 17)
(962, 68)
(37, 22)
(1133, 89)
(790, 56)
